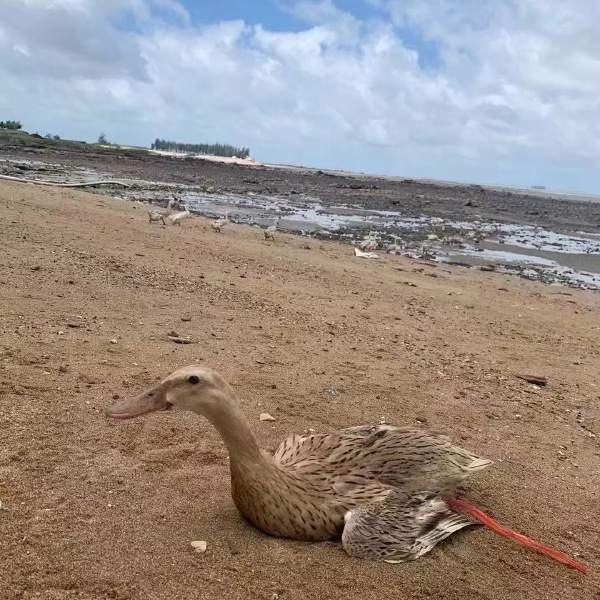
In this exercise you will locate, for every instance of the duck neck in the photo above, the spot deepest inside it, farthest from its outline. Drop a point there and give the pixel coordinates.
(230, 421)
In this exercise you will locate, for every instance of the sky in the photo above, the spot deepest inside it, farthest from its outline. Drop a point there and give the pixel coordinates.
(485, 91)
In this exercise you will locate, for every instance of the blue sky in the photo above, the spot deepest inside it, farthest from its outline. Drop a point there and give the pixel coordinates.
(491, 92)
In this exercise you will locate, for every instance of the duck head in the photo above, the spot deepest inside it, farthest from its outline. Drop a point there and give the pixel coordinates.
(193, 388)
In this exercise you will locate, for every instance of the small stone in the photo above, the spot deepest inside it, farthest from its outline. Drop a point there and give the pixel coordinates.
(421, 419)
(61, 333)
(233, 548)
(116, 396)
(113, 341)
(63, 369)
(186, 319)
(199, 546)
(267, 417)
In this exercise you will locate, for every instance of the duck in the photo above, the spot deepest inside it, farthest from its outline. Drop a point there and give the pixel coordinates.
(271, 229)
(155, 217)
(176, 218)
(389, 492)
(220, 223)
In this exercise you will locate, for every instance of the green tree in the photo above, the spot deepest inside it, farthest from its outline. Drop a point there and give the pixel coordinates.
(14, 125)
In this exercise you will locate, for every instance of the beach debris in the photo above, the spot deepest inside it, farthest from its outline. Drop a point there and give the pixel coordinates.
(267, 417)
(179, 339)
(199, 546)
(535, 379)
(361, 254)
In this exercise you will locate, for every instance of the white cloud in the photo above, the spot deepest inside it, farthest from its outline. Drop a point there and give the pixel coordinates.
(512, 97)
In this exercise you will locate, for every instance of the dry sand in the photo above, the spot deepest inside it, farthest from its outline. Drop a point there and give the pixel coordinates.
(96, 509)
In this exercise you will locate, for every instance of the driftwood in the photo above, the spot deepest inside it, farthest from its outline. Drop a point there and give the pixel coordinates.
(74, 185)
(535, 379)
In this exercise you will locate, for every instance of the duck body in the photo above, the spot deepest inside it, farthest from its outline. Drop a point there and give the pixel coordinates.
(306, 489)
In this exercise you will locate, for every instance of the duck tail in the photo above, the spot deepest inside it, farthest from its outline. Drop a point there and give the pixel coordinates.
(486, 520)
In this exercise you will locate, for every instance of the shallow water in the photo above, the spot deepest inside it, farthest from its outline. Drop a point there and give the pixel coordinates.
(531, 252)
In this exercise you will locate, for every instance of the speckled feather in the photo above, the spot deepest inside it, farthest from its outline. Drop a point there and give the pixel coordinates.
(404, 526)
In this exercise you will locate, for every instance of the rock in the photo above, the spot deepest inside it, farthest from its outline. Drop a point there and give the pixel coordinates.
(113, 341)
(488, 268)
(233, 548)
(199, 546)
(186, 319)
(63, 369)
(267, 417)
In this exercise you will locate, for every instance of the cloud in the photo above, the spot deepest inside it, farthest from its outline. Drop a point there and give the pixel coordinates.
(511, 96)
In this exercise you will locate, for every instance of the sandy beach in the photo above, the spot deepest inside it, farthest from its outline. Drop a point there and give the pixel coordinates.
(302, 329)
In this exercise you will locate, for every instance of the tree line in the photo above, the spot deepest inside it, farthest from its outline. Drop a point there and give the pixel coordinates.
(14, 125)
(214, 149)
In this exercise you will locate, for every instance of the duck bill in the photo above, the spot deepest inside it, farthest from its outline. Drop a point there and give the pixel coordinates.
(151, 400)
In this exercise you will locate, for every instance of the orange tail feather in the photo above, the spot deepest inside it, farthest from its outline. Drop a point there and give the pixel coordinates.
(484, 519)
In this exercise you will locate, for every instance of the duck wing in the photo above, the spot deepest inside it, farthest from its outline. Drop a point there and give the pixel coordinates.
(401, 527)
(400, 457)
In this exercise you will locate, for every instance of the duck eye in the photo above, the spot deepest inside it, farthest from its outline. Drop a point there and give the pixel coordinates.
(194, 379)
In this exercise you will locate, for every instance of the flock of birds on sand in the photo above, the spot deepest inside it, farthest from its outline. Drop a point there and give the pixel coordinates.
(176, 212)
(389, 492)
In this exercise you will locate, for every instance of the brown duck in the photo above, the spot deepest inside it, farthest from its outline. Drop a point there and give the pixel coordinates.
(386, 490)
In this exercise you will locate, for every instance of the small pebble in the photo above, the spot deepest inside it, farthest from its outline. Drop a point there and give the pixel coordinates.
(113, 341)
(267, 417)
(199, 546)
